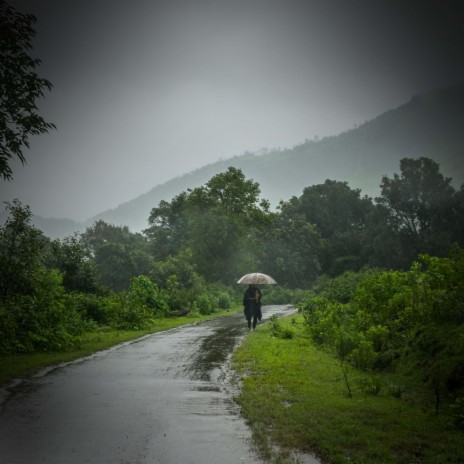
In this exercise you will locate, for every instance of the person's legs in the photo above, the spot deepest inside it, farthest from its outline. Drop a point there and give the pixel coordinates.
(255, 320)
(249, 323)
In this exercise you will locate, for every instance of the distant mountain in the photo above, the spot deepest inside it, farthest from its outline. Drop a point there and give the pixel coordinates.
(430, 125)
(51, 227)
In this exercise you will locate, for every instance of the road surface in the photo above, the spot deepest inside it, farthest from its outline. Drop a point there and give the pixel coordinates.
(166, 398)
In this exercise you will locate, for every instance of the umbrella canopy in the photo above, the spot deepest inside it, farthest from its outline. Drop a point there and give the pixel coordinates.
(256, 278)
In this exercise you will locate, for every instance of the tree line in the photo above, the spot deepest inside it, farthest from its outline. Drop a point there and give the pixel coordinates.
(198, 244)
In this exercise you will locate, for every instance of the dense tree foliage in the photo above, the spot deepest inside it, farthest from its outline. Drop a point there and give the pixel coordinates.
(292, 249)
(20, 87)
(342, 217)
(34, 313)
(72, 258)
(217, 222)
(423, 208)
(20, 252)
(118, 254)
(354, 252)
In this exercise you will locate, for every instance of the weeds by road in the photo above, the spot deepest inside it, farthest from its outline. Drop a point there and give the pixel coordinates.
(295, 396)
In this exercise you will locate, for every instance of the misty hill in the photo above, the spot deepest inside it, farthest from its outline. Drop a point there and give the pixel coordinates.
(431, 125)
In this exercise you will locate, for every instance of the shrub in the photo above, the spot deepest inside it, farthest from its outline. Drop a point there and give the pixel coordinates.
(277, 295)
(42, 321)
(205, 303)
(224, 300)
(278, 331)
(92, 308)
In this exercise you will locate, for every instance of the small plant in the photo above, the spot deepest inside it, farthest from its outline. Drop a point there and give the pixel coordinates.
(371, 385)
(278, 331)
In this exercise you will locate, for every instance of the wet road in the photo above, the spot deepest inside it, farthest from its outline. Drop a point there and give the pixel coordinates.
(166, 398)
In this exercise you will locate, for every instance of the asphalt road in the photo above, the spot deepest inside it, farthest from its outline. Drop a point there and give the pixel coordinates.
(166, 398)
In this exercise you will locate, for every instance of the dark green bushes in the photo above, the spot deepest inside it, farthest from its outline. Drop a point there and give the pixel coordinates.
(50, 292)
(41, 320)
(408, 322)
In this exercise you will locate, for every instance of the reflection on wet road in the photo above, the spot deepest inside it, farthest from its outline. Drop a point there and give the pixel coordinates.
(166, 398)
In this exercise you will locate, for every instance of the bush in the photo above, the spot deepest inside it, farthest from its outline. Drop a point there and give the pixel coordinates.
(277, 295)
(141, 305)
(341, 288)
(93, 308)
(205, 303)
(145, 293)
(410, 322)
(42, 321)
(224, 300)
(278, 331)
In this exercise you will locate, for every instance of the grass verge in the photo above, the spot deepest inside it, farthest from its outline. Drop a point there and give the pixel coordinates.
(14, 366)
(294, 396)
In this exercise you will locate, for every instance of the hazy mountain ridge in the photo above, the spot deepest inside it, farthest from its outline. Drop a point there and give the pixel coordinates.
(428, 125)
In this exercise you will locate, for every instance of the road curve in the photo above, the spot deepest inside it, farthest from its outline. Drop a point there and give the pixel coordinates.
(166, 398)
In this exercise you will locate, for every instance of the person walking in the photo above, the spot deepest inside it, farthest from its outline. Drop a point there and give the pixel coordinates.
(252, 305)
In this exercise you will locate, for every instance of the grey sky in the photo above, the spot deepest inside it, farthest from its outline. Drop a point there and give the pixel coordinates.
(148, 90)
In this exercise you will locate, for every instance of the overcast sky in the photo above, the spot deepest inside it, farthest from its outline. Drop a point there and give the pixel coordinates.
(147, 90)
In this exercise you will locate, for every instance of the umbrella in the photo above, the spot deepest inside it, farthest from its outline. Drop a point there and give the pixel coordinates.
(256, 278)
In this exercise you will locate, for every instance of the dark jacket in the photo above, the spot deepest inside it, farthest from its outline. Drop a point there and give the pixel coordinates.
(252, 302)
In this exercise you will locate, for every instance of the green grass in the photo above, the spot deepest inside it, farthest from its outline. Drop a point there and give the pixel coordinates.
(294, 396)
(19, 365)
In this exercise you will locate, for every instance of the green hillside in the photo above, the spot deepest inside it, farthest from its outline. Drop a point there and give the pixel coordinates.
(428, 125)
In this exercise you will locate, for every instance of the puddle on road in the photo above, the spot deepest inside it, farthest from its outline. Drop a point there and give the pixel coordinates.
(215, 350)
(211, 373)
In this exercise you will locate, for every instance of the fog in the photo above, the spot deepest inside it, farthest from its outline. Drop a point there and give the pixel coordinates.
(148, 90)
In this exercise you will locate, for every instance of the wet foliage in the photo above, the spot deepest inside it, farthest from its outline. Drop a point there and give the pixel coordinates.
(408, 322)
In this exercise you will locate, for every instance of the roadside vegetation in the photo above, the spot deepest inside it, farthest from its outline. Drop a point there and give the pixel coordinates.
(295, 398)
(379, 286)
(371, 370)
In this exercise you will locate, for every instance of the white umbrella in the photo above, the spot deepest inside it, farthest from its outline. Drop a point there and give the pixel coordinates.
(256, 278)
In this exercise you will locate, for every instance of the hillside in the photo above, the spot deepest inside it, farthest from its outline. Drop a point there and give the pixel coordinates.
(428, 125)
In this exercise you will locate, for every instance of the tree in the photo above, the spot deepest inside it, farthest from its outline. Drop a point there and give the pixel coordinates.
(292, 250)
(343, 219)
(71, 257)
(168, 227)
(177, 277)
(20, 87)
(118, 253)
(21, 247)
(33, 310)
(421, 205)
(216, 221)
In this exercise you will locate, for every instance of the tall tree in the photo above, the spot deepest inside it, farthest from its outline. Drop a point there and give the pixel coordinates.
(168, 227)
(292, 249)
(118, 253)
(20, 87)
(343, 219)
(71, 256)
(223, 215)
(21, 249)
(216, 221)
(421, 204)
